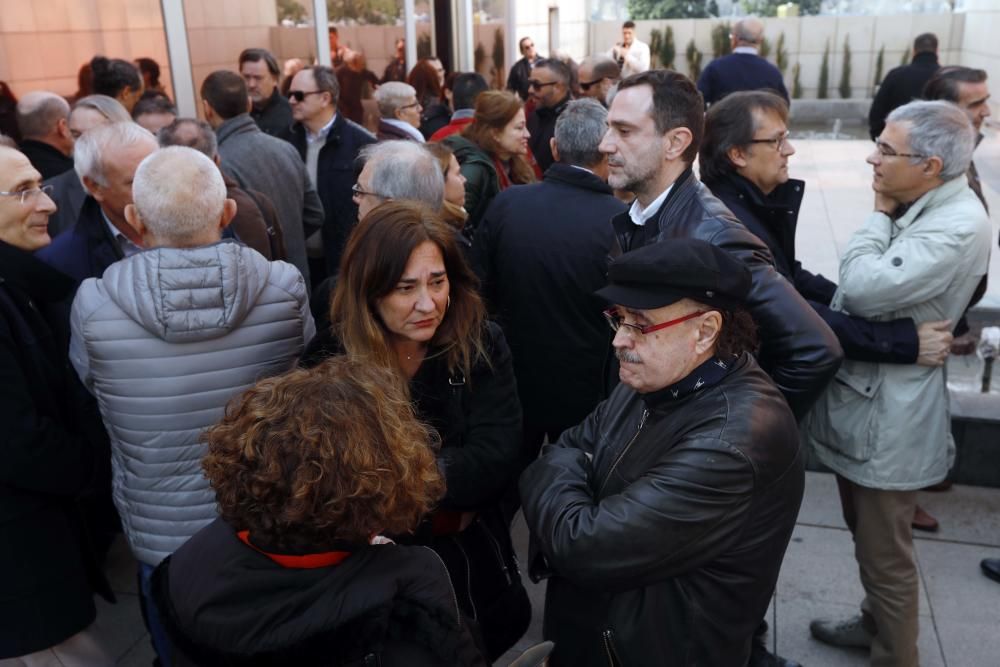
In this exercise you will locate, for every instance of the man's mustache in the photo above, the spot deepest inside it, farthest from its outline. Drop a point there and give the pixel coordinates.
(628, 356)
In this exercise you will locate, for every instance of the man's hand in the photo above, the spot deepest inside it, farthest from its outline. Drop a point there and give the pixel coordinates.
(935, 342)
(885, 204)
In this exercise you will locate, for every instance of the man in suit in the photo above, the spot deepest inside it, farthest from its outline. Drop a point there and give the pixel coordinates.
(517, 80)
(43, 119)
(743, 69)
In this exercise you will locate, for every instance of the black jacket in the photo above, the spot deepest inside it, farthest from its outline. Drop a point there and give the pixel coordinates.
(900, 86)
(275, 117)
(47, 159)
(69, 195)
(541, 252)
(434, 117)
(542, 126)
(384, 604)
(739, 71)
(336, 173)
(664, 548)
(798, 349)
(517, 80)
(87, 249)
(773, 220)
(52, 441)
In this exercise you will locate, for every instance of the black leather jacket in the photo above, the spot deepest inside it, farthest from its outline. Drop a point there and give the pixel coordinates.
(798, 350)
(663, 522)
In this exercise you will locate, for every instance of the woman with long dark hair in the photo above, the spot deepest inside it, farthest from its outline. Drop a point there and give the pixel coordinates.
(427, 81)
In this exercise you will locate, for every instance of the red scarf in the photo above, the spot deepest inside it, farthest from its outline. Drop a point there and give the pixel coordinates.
(304, 562)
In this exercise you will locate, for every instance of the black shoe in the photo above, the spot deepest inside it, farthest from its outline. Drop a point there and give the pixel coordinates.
(991, 568)
(761, 657)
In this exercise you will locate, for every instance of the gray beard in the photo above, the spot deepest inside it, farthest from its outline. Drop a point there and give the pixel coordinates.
(628, 357)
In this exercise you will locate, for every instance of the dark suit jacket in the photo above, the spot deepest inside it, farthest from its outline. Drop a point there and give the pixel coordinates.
(542, 126)
(336, 173)
(87, 249)
(69, 195)
(739, 71)
(275, 117)
(48, 160)
(388, 132)
(517, 80)
(541, 251)
(901, 85)
(773, 220)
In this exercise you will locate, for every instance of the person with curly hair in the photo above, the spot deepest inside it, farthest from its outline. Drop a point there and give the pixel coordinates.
(406, 301)
(308, 469)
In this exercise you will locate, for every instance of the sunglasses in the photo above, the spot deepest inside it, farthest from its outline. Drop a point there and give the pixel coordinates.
(532, 83)
(299, 95)
(585, 85)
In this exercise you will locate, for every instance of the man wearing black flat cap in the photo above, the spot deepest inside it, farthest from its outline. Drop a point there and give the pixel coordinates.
(661, 521)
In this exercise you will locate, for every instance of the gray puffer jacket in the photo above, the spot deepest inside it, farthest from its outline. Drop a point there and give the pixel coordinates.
(164, 340)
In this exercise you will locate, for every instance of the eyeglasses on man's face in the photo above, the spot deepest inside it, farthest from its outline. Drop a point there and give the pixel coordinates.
(616, 321)
(885, 150)
(29, 196)
(585, 85)
(299, 95)
(779, 141)
(361, 192)
(535, 83)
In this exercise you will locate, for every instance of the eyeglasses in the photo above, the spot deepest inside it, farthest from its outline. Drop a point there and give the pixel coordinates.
(885, 150)
(29, 196)
(585, 85)
(409, 106)
(532, 83)
(779, 142)
(616, 322)
(299, 95)
(360, 192)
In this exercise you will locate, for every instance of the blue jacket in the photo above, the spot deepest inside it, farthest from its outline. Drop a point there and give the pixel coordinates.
(739, 71)
(336, 173)
(86, 249)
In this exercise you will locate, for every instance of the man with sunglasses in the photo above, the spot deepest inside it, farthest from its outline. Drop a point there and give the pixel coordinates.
(549, 89)
(598, 75)
(885, 429)
(520, 72)
(662, 519)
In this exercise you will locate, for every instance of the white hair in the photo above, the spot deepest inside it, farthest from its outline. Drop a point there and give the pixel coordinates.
(39, 112)
(404, 170)
(179, 194)
(939, 129)
(392, 95)
(90, 148)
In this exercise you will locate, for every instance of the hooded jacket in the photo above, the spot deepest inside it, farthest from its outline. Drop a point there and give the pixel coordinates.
(164, 340)
(481, 181)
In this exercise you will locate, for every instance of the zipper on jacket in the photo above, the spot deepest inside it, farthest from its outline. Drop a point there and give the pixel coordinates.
(468, 578)
(609, 648)
(451, 587)
(645, 413)
(497, 550)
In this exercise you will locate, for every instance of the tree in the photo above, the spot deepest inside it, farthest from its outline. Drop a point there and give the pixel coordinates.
(796, 83)
(765, 48)
(374, 12)
(423, 45)
(713, 8)
(693, 56)
(479, 57)
(667, 9)
(655, 44)
(498, 56)
(781, 55)
(668, 51)
(845, 71)
(879, 64)
(824, 73)
(770, 7)
(290, 10)
(721, 44)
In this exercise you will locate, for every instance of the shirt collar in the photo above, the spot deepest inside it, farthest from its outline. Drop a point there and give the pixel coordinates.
(405, 127)
(745, 49)
(710, 373)
(576, 166)
(463, 113)
(640, 215)
(323, 131)
(126, 245)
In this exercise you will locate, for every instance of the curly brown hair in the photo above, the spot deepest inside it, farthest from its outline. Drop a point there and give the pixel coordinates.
(373, 261)
(323, 456)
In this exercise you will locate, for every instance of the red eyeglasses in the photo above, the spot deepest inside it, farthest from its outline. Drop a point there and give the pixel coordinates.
(616, 321)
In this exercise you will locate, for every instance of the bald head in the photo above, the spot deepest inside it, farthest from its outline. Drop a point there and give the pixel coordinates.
(44, 116)
(179, 199)
(748, 31)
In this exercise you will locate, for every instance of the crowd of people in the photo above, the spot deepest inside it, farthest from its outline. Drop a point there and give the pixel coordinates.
(312, 371)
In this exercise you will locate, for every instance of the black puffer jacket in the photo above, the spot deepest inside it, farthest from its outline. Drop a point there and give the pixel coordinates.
(664, 547)
(798, 350)
(224, 603)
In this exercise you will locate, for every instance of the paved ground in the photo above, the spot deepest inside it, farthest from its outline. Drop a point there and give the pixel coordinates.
(960, 609)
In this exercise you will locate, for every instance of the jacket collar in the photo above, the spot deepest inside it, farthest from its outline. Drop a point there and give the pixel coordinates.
(332, 137)
(33, 276)
(553, 112)
(681, 191)
(786, 198)
(925, 58)
(938, 195)
(241, 124)
(708, 374)
(577, 178)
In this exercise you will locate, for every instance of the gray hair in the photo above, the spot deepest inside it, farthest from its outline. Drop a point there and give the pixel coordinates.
(579, 130)
(404, 170)
(326, 81)
(90, 148)
(39, 112)
(939, 129)
(391, 95)
(109, 107)
(190, 132)
(178, 194)
(749, 30)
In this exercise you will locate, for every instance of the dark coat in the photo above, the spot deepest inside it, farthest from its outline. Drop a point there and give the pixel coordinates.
(51, 445)
(435, 116)
(47, 159)
(391, 604)
(798, 349)
(336, 173)
(541, 252)
(542, 126)
(900, 86)
(481, 181)
(275, 117)
(387, 132)
(739, 71)
(665, 547)
(69, 195)
(256, 222)
(773, 220)
(517, 80)
(85, 250)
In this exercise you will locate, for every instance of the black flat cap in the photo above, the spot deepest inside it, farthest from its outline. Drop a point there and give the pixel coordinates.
(662, 273)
